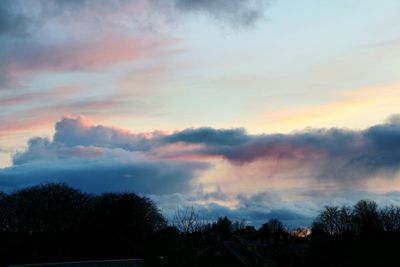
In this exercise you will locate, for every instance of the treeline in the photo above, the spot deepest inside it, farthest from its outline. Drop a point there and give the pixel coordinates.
(362, 235)
(364, 218)
(57, 223)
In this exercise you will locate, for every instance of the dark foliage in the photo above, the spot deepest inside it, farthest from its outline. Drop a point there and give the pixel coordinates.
(57, 223)
(223, 227)
(272, 227)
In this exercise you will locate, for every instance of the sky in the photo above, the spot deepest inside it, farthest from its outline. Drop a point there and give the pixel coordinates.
(254, 109)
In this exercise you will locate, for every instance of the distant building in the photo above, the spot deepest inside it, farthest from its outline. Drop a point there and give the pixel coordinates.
(104, 263)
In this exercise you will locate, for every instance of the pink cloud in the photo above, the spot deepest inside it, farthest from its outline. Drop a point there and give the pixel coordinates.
(42, 118)
(109, 51)
(11, 127)
(95, 55)
(28, 97)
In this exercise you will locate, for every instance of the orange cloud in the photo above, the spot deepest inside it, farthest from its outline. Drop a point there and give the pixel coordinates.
(357, 108)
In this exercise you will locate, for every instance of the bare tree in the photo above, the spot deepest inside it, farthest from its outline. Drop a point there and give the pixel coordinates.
(366, 217)
(187, 220)
(390, 217)
(272, 227)
(344, 223)
(328, 220)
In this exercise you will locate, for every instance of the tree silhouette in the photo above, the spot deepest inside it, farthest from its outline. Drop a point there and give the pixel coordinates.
(52, 209)
(273, 229)
(366, 217)
(390, 217)
(344, 222)
(328, 220)
(223, 226)
(56, 222)
(187, 220)
(333, 220)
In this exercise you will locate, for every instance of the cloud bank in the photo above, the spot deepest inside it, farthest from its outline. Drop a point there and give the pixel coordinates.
(338, 155)
(341, 155)
(95, 159)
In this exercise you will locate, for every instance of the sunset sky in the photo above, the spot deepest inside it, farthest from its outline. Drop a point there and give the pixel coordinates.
(254, 109)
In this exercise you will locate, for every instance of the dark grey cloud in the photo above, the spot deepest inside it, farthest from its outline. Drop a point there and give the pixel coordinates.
(286, 146)
(104, 175)
(385, 137)
(209, 136)
(239, 13)
(338, 154)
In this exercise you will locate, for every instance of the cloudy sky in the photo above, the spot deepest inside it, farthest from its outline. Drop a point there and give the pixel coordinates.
(248, 108)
